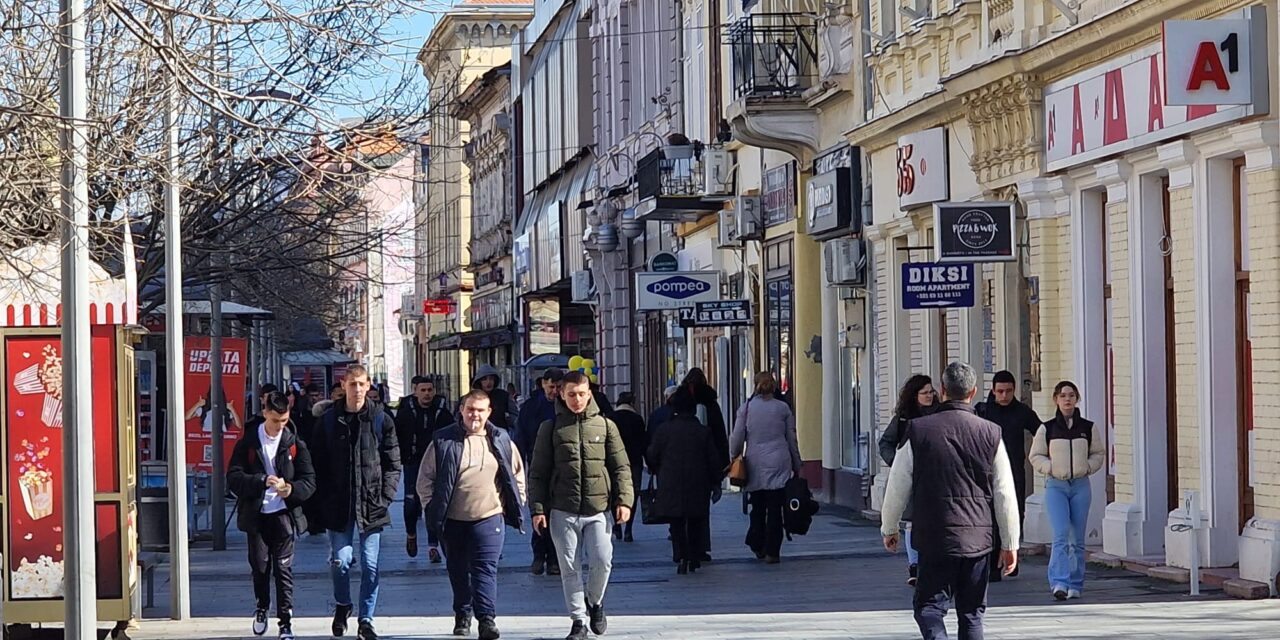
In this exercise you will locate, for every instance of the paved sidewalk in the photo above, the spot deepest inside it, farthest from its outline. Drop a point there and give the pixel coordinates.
(836, 582)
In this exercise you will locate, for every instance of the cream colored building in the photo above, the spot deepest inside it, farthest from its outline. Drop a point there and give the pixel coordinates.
(1149, 245)
(474, 37)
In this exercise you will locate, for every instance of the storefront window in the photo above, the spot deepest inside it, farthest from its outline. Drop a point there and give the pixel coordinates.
(779, 332)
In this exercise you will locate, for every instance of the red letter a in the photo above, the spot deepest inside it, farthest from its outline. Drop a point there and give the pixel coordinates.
(1115, 122)
(1077, 122)
(1155, 99)
(1207, 67)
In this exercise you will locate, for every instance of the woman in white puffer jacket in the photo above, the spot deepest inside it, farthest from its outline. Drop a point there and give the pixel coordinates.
(1067, 449)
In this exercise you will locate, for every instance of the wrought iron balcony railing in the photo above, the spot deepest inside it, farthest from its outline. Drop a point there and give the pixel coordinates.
(773, 54)
(658, 176)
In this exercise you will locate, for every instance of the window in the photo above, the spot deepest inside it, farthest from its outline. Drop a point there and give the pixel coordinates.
(779, 305)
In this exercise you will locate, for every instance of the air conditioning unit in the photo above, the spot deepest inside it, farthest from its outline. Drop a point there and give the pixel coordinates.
(750, 218)
(581, 289)
(717, 172)
(844, 262)
(729, 229)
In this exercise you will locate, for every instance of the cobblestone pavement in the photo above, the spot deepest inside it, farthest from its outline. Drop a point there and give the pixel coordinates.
(834, 583)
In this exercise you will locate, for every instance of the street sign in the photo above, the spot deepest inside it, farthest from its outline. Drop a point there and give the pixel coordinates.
(974, 232)
(664, 262)
(931, 285)
(722, 313)
(1215, 62)
(675, 290)
(437, 307)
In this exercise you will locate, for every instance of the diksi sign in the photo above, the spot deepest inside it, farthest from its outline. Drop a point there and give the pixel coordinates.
(1216, 62)
(1120, 105)
(657, 291)
(930, 285)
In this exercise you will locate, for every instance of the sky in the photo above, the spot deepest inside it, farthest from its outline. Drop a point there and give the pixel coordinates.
(408, 34)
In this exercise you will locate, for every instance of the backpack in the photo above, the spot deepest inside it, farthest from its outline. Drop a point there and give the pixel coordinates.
(797, 514)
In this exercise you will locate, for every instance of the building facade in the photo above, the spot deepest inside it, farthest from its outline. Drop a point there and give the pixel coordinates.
(473, 38)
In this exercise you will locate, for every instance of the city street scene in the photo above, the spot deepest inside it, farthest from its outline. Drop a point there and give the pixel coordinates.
(695, 319)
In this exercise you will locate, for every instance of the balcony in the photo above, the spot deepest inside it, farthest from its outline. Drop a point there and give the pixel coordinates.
(774, 59)
(691, 183)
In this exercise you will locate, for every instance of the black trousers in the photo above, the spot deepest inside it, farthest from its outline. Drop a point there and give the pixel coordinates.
(1020, 488)
(686, 539)
(943, 581)
(544, 548)
(412, 503)
(271, 551)
(471, 552)
(765, 535)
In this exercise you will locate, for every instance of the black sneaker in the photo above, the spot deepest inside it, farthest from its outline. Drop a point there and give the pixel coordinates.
(1059, 594)
(538, 567)
(599, 623)
(553, 569)
(461, 625)
(434, 554)
(259, 622)
(489, 629)
(286, 631)
(913, 572)
(579, 631)
(341, 615)
(366, 631)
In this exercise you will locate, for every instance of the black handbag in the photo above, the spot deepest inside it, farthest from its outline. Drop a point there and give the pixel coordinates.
(648, 496)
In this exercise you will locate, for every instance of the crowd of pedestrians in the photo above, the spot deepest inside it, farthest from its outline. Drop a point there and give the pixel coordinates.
(568, 468)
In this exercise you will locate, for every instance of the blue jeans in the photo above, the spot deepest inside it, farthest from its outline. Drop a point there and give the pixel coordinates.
(1067, 502)
(340, 558)
(913, 556)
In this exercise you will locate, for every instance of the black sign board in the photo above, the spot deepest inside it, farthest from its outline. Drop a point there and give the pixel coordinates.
(686, 316)
(974, 232)
(723, 313)
(932, 285)
(833, 202)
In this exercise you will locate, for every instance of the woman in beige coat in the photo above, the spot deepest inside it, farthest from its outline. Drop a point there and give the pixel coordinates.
(1067, 449)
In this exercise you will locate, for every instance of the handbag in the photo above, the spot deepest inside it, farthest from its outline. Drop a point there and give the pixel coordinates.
(648, 496)
(738, 467)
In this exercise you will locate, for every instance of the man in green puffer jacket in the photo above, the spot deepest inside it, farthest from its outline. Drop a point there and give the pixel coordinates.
(580, 473)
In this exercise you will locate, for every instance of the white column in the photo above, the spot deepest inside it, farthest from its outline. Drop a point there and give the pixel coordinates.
(1088, 278)
(835, 413)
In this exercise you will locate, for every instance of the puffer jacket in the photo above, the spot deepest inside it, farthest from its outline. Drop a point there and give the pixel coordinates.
(579, 464)
(1067, 452)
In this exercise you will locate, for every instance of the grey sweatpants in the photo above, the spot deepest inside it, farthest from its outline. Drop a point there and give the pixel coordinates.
(574, 537)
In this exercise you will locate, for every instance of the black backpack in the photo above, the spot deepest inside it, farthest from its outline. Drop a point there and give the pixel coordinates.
(797, 514)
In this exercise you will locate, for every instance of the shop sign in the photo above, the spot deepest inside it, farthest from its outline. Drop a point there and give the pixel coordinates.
(1215, 62)
(495, 275)
(199, 418)
(664, 262)
(974, 232)
(657, 291)
(778, 195)
(932, 285)
(722, 313)
(437, 307)
(1120, 105)
(922, 168)
(834, 195)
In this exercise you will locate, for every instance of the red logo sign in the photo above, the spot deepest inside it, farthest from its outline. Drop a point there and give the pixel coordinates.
(906, 172)
(440, 307)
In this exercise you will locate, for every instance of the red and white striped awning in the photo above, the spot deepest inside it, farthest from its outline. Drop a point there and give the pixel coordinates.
(47, 315)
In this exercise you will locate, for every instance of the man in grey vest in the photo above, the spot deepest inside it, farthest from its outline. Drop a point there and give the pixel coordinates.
(954, 468)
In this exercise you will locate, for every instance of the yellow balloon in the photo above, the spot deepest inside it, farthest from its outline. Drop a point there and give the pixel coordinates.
(575, 363)
(588, 364)
(593, 377)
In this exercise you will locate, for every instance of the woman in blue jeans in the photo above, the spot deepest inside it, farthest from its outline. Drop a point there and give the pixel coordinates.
(1067, 449)
(916, 399)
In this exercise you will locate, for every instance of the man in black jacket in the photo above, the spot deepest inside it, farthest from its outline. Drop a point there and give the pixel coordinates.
(636, 440)
(954, 469)
(419, 417)
(1014, 419)
(357, 461)
(271, 474)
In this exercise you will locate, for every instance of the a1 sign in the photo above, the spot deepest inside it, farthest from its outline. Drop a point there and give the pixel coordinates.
(1215, 62)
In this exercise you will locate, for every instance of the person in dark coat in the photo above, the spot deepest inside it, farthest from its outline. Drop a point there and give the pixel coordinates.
(683, 456)
(916, 399)
(709, 413)
(271, 474)
(357, 460)
(1015, 419)
(539, 408)
(488, 381)
(417, 420)
(636, 441)
(602, 401)
(663, 412)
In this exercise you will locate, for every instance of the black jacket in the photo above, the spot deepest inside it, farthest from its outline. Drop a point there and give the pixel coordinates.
(706, 396)
(895, 434)
(449, 444)
(634, 438)
(1013, 420)
(686, 463)
(953, 485)
(357, 469)
(416, 426)
(247, 477)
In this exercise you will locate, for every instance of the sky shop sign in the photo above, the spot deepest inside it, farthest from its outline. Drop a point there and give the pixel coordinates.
(932, 285)
(1122, 105)
(656, 291)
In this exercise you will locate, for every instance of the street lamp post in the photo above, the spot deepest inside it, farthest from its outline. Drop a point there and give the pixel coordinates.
(80, 574)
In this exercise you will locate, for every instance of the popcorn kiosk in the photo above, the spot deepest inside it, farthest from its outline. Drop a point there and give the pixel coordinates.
(31, 479)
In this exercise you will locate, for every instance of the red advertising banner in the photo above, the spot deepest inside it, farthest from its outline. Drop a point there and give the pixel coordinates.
(199, 419)
(33, 433)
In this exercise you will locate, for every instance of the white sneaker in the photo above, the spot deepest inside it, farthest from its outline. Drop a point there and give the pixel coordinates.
(1059, 593)
(1073, 594)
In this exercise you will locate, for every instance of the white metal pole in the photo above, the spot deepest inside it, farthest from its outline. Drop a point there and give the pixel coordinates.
(179, 566)
(80, 577)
